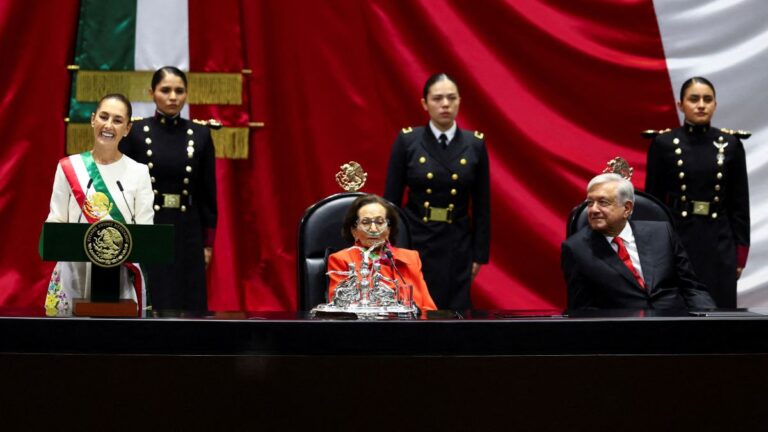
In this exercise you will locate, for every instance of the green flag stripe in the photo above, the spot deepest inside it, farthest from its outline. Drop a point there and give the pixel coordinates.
(106, 35)
(106, 39)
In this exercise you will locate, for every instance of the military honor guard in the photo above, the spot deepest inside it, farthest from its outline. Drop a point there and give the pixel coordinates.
(700, 172)
(445, 170)
(181, 160)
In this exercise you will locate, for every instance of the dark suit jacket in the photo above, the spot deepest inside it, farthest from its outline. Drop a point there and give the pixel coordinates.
(597, 278)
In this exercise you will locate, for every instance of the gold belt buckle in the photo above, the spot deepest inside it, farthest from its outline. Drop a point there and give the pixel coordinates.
(701, 208)
(438, 214)
(171, 200)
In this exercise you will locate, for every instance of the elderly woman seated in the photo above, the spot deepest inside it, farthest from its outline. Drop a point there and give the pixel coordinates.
(369, 223)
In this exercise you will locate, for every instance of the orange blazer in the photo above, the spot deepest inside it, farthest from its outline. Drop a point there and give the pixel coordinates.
(407, 261)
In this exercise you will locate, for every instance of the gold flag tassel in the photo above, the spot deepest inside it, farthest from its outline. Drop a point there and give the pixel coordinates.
(229, 142)
(206, 88)
(215, 88)
(79, 138)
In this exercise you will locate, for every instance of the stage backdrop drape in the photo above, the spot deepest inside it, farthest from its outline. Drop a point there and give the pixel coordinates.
(558, 88)
(36, 44)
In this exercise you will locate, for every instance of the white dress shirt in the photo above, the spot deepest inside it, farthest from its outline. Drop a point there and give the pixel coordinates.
(450, 133)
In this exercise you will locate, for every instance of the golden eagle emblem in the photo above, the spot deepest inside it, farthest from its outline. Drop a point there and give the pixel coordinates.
(351, 178)
(108, 243)
(97, 206)
(620, 166)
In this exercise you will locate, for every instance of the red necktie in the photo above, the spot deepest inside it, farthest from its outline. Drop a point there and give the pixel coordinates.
(624, 255)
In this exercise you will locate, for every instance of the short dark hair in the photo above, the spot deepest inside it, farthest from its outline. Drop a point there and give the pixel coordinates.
(120, 97)
(434, 79)
(165, 71)
(350, 219)
(696, 80)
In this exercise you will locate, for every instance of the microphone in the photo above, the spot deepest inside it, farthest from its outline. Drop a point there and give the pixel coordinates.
(388, 253)
(409, 288)
(87, 188)
(120, 186)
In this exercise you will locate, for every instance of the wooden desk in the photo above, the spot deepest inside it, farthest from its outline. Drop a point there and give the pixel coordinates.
(283, 372)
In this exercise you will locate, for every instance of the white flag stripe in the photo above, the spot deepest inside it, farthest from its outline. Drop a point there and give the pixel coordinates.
(162, 39)
(162, 34)
(725, 41)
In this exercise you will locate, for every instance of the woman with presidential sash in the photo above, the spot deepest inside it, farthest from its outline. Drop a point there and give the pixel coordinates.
(181, 160)
(92, 186)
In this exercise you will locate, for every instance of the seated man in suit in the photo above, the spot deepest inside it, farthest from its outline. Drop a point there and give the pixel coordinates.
(617, 264)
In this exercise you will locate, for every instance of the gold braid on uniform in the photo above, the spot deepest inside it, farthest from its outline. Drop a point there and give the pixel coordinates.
(652, 133)
(741, 134)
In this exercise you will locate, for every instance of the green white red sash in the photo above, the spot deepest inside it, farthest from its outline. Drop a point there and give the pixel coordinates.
(80, 170)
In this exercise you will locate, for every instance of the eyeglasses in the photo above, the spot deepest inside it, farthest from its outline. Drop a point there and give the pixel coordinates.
(366, 222)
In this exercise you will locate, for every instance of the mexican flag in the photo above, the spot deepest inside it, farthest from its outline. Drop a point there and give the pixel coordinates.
(121, 43)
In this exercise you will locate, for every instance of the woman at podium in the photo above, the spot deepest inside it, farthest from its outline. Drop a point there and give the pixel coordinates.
(99, 184)
(181, 160)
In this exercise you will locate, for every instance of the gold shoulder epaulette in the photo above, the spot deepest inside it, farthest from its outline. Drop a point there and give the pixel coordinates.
(743, 134)
(407, 130)
(479, 135)
(135, 119)
(651, 133)
(212, 123)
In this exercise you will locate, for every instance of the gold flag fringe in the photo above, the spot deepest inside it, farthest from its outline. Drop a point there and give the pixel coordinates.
(92, 85)
(229, 142)
(79, 138)
(204, 87)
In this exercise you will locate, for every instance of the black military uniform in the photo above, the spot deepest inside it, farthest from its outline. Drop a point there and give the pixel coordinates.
(700, 173)
(445, 186)
(181, 160)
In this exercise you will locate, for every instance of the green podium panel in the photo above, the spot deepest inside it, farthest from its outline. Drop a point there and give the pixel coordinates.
(151, 244)
(65, 242)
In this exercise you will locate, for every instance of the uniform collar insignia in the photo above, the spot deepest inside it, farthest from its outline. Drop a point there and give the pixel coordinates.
(166, 120)
(696, 129)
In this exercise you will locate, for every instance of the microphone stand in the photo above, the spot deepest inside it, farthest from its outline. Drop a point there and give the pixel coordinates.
(87, 188)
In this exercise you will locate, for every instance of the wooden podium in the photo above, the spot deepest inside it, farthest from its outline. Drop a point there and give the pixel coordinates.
(66, 242)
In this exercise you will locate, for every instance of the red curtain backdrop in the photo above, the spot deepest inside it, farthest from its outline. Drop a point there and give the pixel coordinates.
(36, 43)
(558, 88)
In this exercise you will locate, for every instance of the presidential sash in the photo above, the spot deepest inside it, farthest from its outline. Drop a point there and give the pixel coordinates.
(81, 170)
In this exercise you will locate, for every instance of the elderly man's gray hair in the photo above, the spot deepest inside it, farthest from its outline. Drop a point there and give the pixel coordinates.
(625, 191)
